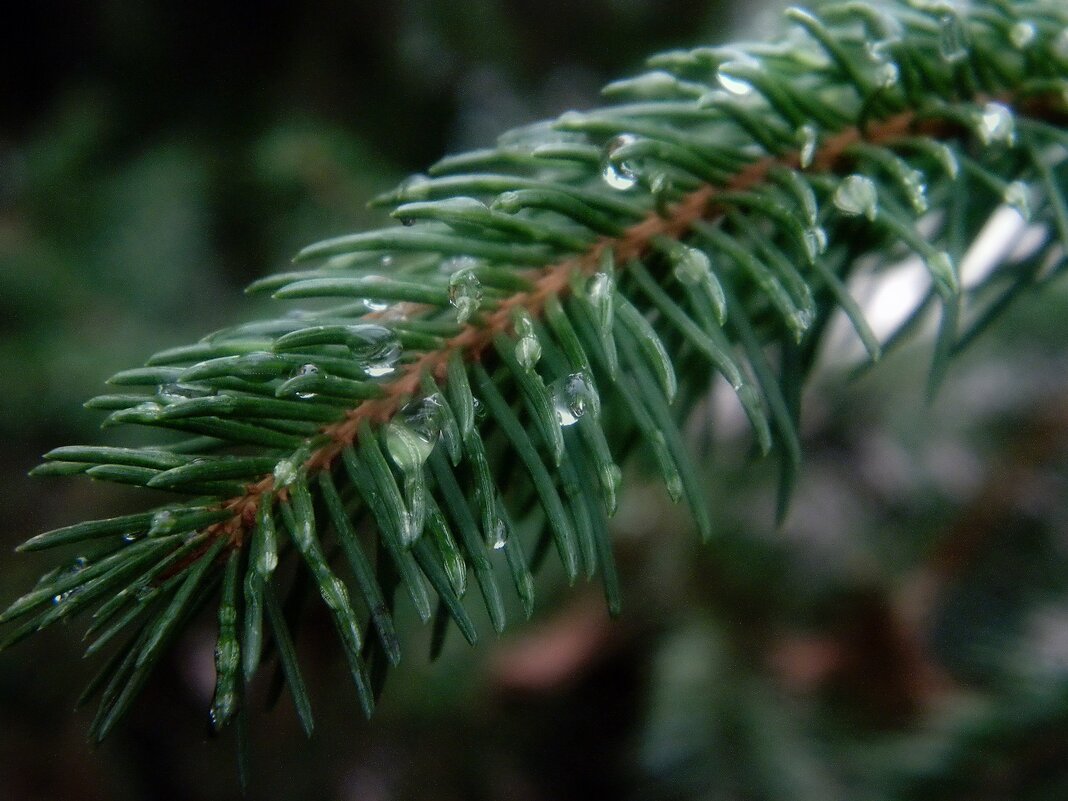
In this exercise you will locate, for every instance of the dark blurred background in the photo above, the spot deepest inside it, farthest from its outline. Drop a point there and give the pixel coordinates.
(903, 635)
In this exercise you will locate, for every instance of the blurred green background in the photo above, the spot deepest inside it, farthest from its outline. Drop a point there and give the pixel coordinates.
(903, 635)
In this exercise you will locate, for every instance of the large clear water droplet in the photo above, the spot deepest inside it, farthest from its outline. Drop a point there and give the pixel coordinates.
(952, 38)
(620, 175)
(375, 347)
(572, 396)
(1022, 34)
(996, 124)
(465, 293)
(413, 432)
(857, 195)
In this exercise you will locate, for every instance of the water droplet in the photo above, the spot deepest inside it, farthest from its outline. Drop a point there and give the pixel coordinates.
(144, 592)
(407, 447)
(1022, 34)
(620, 175)
(915, 184)
(527, 347)
(480, 410)
(690, 265)
(807, 137)
(375, 347)
(815, 242)
(148, 407)
(78, 564)
(887, 75)
(414, 431)
(995, 124)
(374, 304)
(131, 537)
(268, 557)
(693, 267)
(800, 321)
(572, 396)
(407, 222)
(162, 522)
(733, 84)
(527, 352)
(176, 393)
(285, 473)
(599, 291)
(507, 202)
(857, 195)
(465, 293)
(500, 535)
(1018, 196)
(877, 50)
(304, 370)
(414, 187)
(952, 38)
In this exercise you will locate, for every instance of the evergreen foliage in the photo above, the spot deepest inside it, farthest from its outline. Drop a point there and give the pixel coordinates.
(545, 309)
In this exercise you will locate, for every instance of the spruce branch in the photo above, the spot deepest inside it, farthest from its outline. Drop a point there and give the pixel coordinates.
(548, 306)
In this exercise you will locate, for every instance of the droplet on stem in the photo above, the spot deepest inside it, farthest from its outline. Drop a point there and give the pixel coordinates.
(995, 124)
(952, 38)
(857, 195)
(306, 370)
(465, 293)
(621, 175)
(375, 347)
(572, 396)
